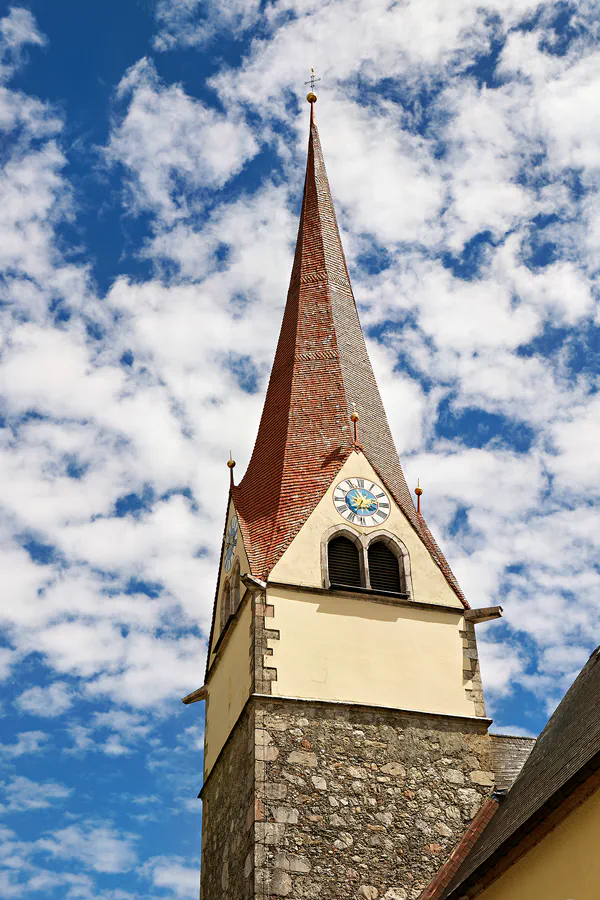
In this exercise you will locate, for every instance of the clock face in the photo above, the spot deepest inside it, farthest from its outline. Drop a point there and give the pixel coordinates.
(361, 502)
(230, 542)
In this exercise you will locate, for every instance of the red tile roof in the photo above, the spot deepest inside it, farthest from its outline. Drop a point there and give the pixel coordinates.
(321, 368)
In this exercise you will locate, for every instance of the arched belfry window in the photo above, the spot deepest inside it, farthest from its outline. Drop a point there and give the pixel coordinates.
(386, 570)
(235, 587)
(225, 603)
(343, 558)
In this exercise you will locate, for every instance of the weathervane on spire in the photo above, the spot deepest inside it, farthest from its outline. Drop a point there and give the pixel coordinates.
(311, 96)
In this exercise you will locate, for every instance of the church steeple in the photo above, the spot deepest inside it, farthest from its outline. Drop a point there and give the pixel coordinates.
(346, 741)
(321, 373)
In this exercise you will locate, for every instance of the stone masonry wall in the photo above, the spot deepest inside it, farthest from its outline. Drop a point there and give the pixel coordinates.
(228, 818)
(358, 802)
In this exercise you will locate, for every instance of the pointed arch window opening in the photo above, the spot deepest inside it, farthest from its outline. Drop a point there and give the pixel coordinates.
(372, 564)
(225, 604)
(235, 588)
(344, 563)
(386, 569)
(230, 599)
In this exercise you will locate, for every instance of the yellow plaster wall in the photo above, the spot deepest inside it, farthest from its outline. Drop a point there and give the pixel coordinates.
(357, 650)
(229, 682)
(229, 686)
(565, 865)
(301, 562)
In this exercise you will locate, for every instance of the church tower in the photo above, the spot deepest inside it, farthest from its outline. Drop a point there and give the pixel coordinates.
(346, 744)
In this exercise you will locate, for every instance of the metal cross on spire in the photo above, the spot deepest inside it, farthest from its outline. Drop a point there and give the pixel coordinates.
(313, 80)
(311, 97)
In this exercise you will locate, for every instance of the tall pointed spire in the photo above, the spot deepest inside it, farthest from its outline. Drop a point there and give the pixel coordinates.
(321, 371)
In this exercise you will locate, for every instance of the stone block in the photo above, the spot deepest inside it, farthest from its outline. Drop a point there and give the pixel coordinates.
(267, 753)
(308, 889)
(344, 841)
(277, 724)
(454, 776)
(303, 758)
(453, 813)
(281, 883)
(368, 892)
(275, 791)
(394, 768)
(269, 832)
(319, 783)
(485, 779)
(290, 862)
(386, 818)
(287, 815)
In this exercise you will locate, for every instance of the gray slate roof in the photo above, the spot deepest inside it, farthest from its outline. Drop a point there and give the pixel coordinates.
(569, 742)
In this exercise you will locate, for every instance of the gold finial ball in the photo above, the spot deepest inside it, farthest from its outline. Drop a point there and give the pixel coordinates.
(311, 97)
(418, 491)
(231, 463)
(354, 417)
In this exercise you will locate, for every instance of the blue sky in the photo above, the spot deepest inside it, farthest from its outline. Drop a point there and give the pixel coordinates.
(152, 157)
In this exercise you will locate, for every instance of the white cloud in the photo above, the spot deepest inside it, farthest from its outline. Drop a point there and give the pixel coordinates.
(192, 22)
(513, 730)
(24, 794)
(172, 873)
(576, 464)
(7, 659)
(376, 40)
(48, 702)
(17, 30)
(27, 742)
(166, 138)
(500, 664)
(97, 847)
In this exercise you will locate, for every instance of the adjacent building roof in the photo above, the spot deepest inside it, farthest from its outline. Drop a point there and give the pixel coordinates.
(321, 369)
(565, 757)
(509, 755)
